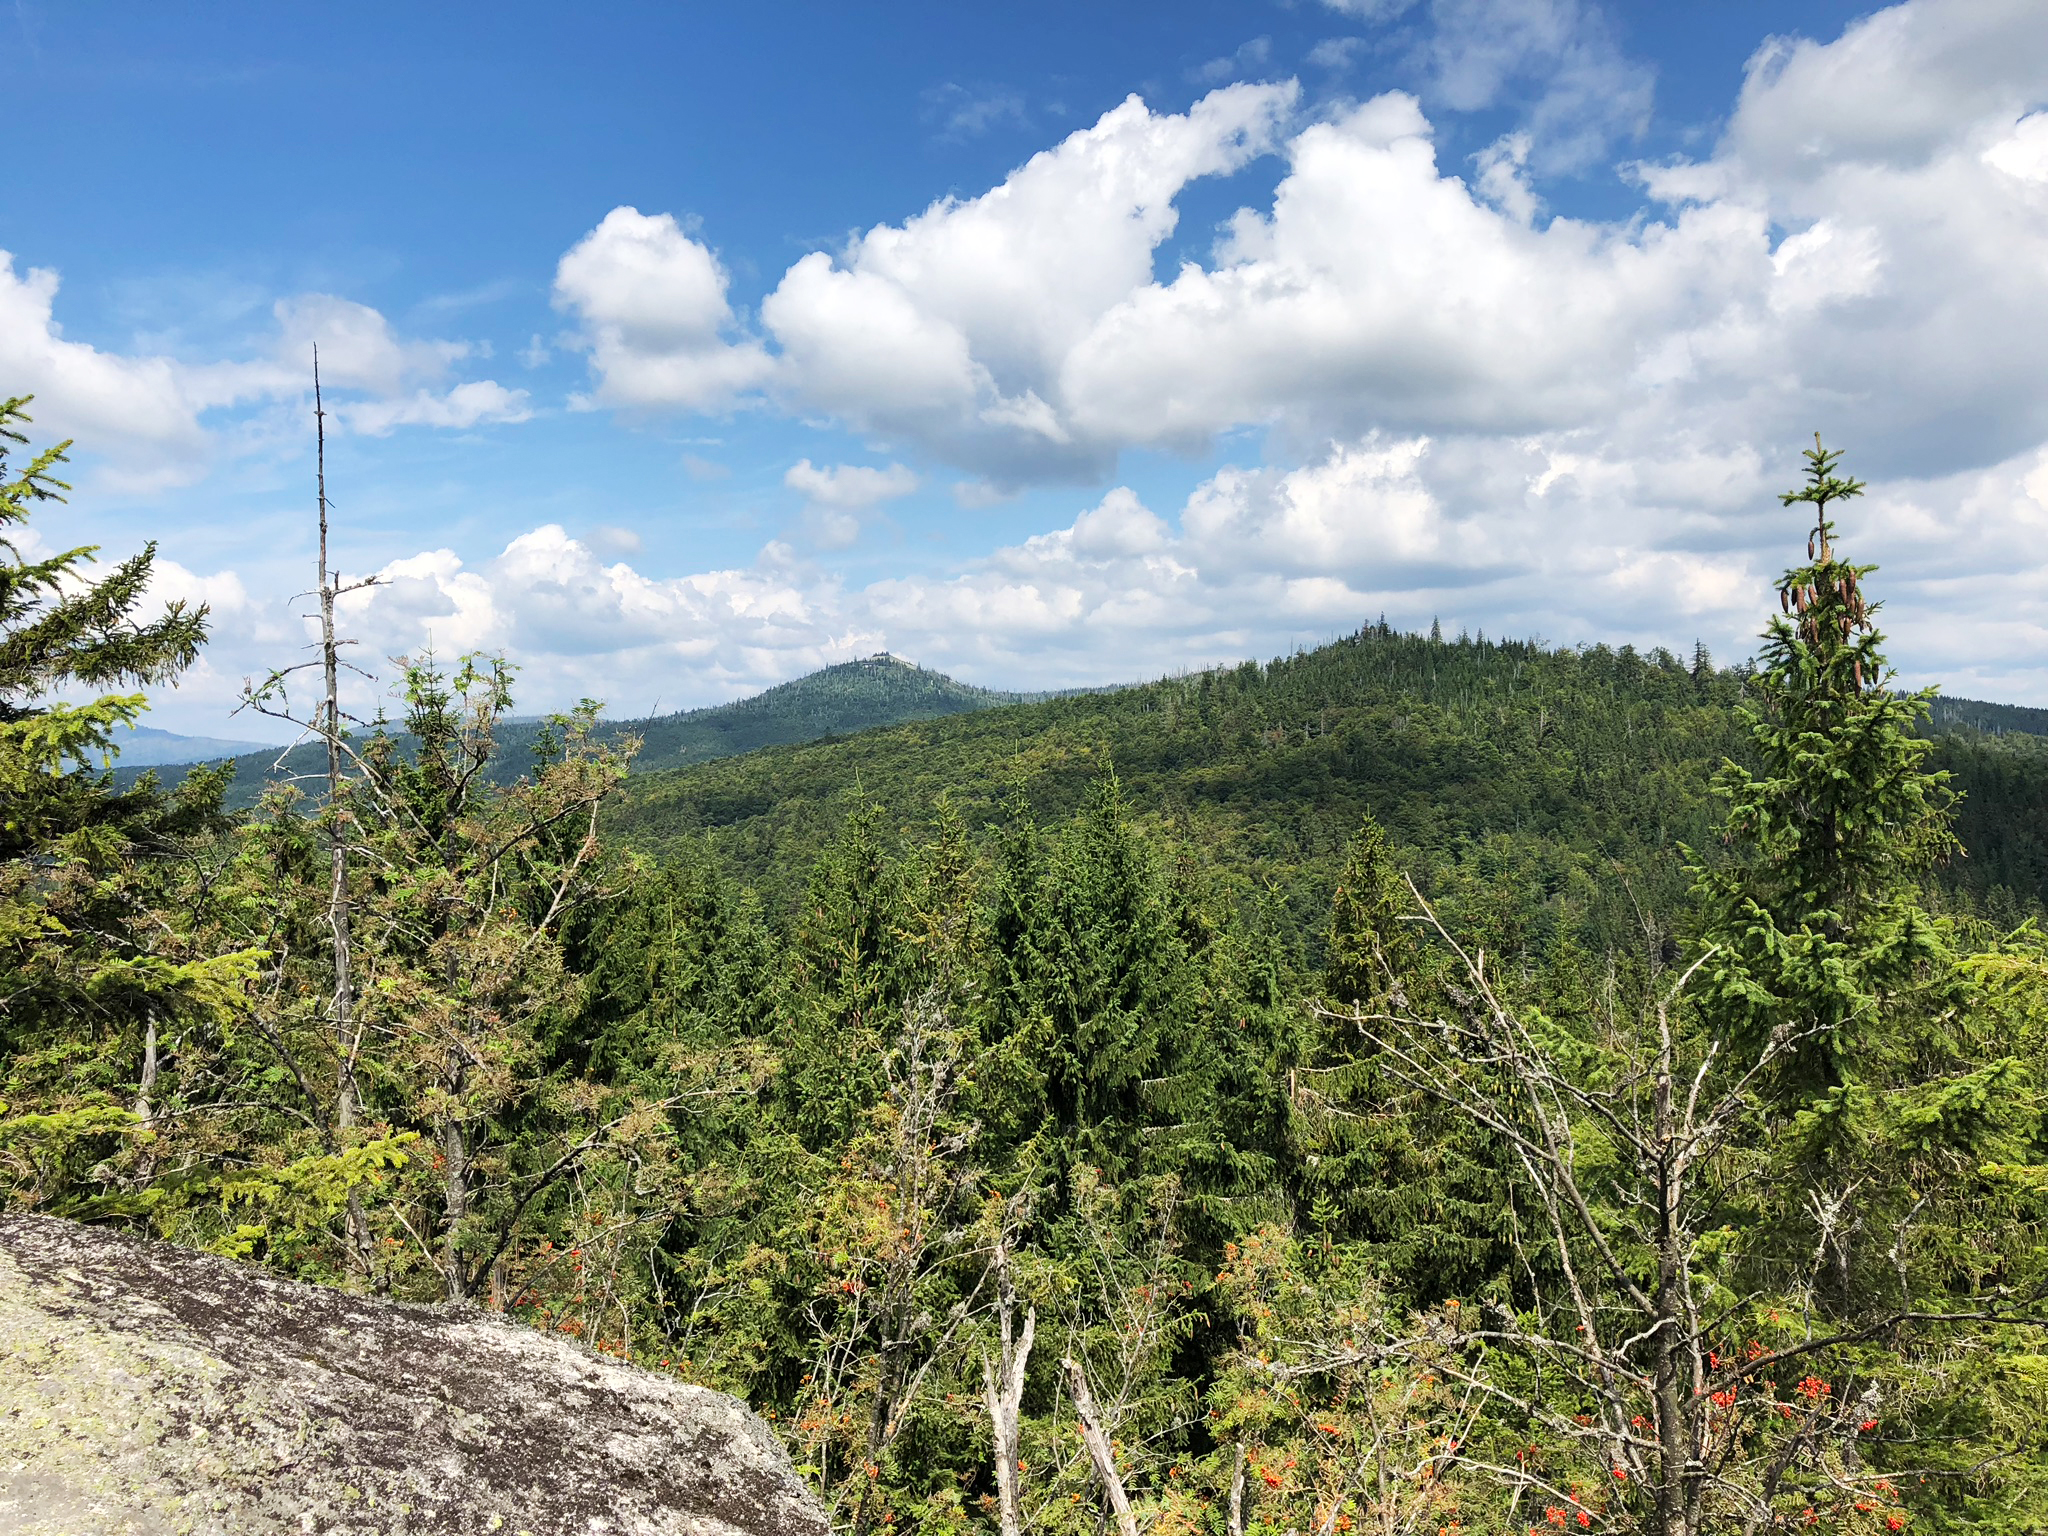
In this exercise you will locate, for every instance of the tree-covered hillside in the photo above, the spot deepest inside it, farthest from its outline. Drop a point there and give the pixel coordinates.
(1536, 785)
(1991, 719)
(837, 701)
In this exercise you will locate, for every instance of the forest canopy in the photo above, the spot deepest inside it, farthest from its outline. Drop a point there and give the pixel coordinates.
(1418, 1085)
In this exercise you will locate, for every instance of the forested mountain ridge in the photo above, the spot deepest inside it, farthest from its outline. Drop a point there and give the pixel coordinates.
(1950, 714)
(877, 692)
(1509, 775)
(834, 701)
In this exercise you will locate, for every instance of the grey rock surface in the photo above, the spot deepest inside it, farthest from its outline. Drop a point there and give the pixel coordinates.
(151, 1390)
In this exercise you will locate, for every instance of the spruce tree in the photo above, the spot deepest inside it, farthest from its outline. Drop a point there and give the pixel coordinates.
(1816, 915)
(1370, 948)
(99, 985)
(68, 840)
(57, 627)
(852, 962)
(60, 631)
(1111, 978)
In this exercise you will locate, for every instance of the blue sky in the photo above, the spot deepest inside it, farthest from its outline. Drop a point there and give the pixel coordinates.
(679, 349)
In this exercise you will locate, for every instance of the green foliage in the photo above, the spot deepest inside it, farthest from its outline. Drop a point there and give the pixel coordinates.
(1318, 1425)
(459, 889)
(103, 972)
(57, 627)
(1372, 950)
(1375, 1161)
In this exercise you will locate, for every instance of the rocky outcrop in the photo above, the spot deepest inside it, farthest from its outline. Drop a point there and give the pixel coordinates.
(146, 1389)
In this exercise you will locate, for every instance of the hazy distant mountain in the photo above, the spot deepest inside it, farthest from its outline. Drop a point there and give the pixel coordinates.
(853, 696)
(145, 747)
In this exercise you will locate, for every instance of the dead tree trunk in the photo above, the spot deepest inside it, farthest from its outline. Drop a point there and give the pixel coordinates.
(145, 1101)
(1003, 1391)
(347, 1032)
(145, 1113)
(1099, 1449)
(454, 1180)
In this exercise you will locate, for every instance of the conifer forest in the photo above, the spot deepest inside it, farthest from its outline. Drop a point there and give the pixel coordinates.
(1418, 1085)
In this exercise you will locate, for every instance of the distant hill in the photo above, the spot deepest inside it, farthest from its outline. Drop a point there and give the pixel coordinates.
(853, 696)
(837, 701)
(145, 746)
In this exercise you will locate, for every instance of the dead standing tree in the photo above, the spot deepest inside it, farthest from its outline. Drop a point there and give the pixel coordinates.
(271, 698)
(1100, 1452)
(1002, 1381)
(442, 961)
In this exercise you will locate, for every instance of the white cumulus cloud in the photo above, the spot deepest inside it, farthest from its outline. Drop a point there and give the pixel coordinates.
(849, 486)
(1557, 59)
(652, 305)
(835, 498)
(82, 391)
(1576, 426)
(951, 329)
(464, 406)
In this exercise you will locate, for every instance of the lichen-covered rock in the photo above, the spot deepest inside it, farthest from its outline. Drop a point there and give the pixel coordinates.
(150, 1390)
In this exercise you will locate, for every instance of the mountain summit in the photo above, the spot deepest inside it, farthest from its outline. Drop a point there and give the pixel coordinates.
(835, 701)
